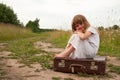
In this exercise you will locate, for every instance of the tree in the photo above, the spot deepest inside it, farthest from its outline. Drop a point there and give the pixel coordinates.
(7, 15)
(115, 27)
(101, 28)
(34, 25)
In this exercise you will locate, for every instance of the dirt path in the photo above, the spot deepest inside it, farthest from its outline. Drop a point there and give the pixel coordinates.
(18, 71)
(48, 47)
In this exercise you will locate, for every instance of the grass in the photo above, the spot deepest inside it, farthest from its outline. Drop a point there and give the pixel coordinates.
(68, 79)
(56, 78)
(24, 50)
(60, 38)
(59, 78)
(12, 32)
(114, 68)
(110, 43)
(22, 45)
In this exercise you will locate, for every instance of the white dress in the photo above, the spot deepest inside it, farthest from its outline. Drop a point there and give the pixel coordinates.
(85, 48)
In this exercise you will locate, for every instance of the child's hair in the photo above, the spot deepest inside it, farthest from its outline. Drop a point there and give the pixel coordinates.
(79, 19)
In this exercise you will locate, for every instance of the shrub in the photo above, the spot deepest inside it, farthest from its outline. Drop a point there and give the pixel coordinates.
(7, 15)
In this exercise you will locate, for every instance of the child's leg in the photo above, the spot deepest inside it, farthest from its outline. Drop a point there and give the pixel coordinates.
(66, 52)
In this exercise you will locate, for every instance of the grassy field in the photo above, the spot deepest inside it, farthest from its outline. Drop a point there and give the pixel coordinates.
(11, 32)
(21, 43)
(110, 43)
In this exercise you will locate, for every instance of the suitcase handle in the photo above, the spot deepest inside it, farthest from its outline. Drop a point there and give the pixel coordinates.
(77, 65)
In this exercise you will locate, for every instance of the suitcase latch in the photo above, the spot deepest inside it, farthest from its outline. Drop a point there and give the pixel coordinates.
(61, 63)
(93, 66)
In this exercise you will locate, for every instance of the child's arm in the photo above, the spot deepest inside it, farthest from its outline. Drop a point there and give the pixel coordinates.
(85, 35)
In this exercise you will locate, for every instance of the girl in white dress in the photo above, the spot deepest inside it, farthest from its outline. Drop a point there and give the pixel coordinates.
(84, 42)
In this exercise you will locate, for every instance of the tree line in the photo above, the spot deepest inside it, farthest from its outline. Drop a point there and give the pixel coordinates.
(114, 27)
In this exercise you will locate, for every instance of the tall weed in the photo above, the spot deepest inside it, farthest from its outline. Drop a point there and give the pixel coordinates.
(110, 42)
(11, 32)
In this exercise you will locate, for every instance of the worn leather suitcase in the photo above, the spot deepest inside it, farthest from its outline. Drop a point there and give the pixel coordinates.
(96, 65)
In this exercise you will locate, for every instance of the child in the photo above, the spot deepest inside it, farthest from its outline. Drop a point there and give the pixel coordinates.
(84, 42)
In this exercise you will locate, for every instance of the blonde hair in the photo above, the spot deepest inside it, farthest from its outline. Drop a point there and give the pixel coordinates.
(79, 19)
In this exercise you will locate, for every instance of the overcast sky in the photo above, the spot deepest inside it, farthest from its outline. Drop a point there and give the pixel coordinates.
(58, 14)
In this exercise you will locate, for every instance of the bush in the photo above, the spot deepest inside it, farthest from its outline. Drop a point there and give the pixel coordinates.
(34, 25)
(7, 15)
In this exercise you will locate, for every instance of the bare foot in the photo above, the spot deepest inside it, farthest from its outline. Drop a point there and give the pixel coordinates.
(59, 55)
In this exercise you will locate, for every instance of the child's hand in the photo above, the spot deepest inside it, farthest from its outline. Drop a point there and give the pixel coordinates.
(75, 32)
(78, 31)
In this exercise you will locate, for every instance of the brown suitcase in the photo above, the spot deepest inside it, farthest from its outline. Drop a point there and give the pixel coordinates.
(95, 65)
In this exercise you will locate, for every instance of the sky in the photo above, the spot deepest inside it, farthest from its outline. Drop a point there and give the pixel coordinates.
(58, 14)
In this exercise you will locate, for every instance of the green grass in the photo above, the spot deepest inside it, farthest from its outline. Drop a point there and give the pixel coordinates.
(22, 45)
(59, 38)
(114, 68)
(68, 79)
(56, 78)
(59, 78)
(25, 52)
(110, 43)
(94, 76)
(12, 32)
